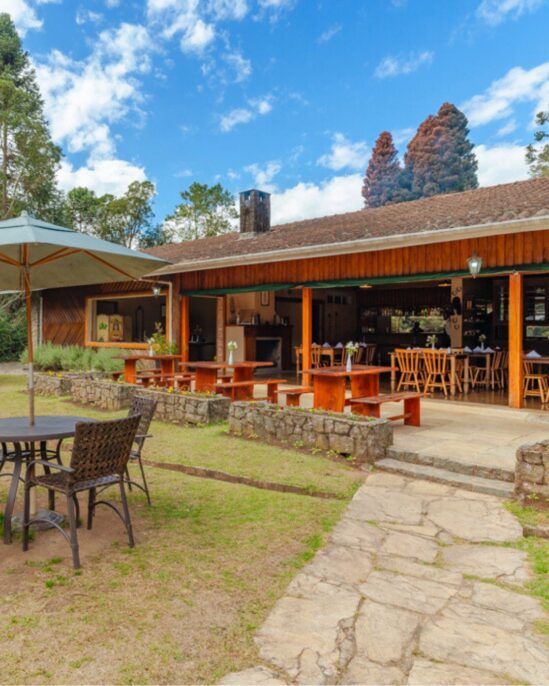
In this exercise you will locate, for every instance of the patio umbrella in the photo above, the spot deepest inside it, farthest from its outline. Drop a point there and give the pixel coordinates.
(35, 255)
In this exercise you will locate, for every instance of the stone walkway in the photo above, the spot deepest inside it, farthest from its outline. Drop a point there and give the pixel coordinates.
(396, 597)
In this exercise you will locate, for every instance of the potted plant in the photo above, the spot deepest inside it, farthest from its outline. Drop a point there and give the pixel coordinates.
(351, 349)
(231, 347)
(158, 343)
(432, 340)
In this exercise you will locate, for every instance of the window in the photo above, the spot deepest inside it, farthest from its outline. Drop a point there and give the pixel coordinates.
(125, 321)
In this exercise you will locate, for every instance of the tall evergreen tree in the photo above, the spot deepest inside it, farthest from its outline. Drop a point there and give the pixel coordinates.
(384, 182)
(440, 157)
(205, 211)
(28, 158)
(537, 156)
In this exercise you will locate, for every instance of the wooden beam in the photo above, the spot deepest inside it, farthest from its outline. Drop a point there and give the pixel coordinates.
(185, 328)
(516, 323)
(307, 330)
(220, 323)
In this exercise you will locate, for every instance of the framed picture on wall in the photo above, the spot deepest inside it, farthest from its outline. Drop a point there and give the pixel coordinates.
(265, 298)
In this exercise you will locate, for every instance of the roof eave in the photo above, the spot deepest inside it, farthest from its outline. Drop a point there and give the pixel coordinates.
(362, 245)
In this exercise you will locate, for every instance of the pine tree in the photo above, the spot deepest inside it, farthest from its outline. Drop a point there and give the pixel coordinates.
(440, 157)
(537, 155)
(384, 181)
(28, 158)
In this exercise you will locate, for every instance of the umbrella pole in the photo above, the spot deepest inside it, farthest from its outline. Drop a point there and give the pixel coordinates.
(28, 304)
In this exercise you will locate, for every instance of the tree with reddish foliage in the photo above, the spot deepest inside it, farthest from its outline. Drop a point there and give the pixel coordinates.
(440, 157)
(383, 183)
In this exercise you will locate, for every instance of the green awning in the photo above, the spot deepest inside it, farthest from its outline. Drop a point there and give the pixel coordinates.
(372, 281)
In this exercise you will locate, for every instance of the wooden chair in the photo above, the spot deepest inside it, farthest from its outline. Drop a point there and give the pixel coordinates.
(497, 370)
(436, 369)
(409, 366)
(100, 455)
(298, 359)
(370, 355)
(535, 384)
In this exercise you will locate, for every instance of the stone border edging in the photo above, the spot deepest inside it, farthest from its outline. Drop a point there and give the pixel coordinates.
(217, 475)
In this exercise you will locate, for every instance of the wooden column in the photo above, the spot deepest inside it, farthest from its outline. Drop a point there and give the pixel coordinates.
(307, 331)
(185, 328)
(220, 323)
(516, 322)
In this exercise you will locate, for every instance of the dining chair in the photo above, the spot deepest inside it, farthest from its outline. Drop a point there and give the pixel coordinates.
(145, 408)
(370, 355)
(409, 366)
(316, 355)
(535, 384)
(298, 359)
(436, 369)
(497, 370)
(100, 454)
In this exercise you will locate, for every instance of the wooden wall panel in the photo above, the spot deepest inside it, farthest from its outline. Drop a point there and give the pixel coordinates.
(500, 251)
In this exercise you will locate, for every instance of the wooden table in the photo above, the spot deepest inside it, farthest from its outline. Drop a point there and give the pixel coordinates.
(329, 384)
(30, 443)
(167, 365)
(453, 356)
(206, 372)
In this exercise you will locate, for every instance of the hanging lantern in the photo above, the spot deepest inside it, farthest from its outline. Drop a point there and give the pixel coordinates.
(474, 264)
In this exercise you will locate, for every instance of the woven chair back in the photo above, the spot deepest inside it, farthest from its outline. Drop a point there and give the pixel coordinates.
(145, 407)
(102, 448)
(436, 361)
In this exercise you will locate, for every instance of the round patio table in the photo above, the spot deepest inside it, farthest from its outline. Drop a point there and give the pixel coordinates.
(17, 432)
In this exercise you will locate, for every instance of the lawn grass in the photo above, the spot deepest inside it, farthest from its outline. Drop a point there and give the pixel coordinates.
(183, 605)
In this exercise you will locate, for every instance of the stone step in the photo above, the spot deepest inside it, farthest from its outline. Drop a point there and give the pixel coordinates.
(449, 465)
(478, 484)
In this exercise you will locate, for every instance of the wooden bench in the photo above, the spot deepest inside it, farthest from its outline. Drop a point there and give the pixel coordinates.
(294, 394)
(243, 390)
(371, 406)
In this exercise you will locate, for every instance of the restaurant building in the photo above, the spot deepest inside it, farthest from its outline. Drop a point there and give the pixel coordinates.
(391, 276)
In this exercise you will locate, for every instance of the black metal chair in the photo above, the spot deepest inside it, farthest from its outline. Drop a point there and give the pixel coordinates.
(145, 407)
(100, 455)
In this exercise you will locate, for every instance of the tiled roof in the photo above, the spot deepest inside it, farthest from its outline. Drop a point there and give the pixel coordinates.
(490, 205)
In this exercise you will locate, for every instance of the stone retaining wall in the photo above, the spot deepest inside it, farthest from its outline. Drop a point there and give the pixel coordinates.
(532, 471)
(188, 408)
(49, 384)
(367, 440)
(105, 395)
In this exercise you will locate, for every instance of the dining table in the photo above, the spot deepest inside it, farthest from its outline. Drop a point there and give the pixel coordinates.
(206, 373)
(454, 356)
(329, 384)
(168, 364)
(21, 444)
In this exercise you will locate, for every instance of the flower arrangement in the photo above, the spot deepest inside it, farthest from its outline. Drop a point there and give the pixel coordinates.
(351, 348)
(432, 340)
(231, 347)
(482, 340)
(158, 343)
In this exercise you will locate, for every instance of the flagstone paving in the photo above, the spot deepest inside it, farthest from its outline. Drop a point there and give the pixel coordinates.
(406, 593)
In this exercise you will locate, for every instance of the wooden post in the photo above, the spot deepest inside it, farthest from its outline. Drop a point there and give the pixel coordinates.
(307, 331)
(516, 322)
(185, 328)
(220, 323)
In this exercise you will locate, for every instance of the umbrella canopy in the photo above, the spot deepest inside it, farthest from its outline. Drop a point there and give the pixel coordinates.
(35, 255)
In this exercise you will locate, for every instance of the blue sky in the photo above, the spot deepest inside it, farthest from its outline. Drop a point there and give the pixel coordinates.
(284, 95)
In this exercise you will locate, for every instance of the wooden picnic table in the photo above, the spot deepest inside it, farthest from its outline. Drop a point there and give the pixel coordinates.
(206, 372)
(329, 384)
(454, 357)
(167, 365)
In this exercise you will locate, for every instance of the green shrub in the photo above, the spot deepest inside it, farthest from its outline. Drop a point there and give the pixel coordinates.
(74, 358)
(13, 336)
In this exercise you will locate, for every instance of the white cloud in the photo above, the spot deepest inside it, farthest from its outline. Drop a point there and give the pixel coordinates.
(112, 3)
(23, 15)
(395, 66)
(345, 154)
(308, 200)
(244, 115)
(500, 164)
(103, 176)
(84, 98)
(329, 33)
(494, 12)
(518, 85)
(241, 66)
(507, 128)
(263, 176)
(228, 9)
(84, 16)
